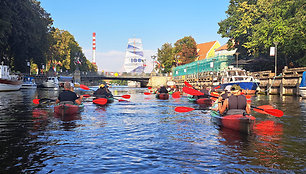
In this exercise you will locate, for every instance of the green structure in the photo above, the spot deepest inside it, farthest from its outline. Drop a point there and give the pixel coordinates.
(213, 64)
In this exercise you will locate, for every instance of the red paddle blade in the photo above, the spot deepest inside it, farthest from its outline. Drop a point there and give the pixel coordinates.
(248, 96)
(36, 101)
(100, 101)
(126, 96)
(86, 95)
(176, 95)
(188, 84)
(149, 87)
(275, 112)
(217, 87)
(121, 100)
(183, 109)
(147, 93)
(249, 101)
(214, 94)
(192, 91)
(84, 87)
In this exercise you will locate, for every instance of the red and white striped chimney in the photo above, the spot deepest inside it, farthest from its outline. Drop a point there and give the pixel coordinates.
(94, 47)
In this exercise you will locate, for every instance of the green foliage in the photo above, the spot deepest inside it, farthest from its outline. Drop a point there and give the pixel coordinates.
(185, 50)
(26, 34)
(24, 28)
(165, 57)
(254, 26)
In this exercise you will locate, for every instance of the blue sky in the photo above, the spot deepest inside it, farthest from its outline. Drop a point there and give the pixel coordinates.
(154, 21)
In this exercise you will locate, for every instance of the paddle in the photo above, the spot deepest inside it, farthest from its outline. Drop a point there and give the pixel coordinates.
(42, 101)
(185, 109)
(267, 109)
(176, 94)
(188, 84)
(147, 93)
(100, 101)
(84, 87)
(124, 96)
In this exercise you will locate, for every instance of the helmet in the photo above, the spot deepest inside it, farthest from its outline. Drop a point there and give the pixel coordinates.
(102, 85)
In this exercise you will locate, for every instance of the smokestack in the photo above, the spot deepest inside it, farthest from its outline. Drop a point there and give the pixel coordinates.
(94, 48)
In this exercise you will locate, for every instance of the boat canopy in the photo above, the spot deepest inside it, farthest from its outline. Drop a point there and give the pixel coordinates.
(303, 82)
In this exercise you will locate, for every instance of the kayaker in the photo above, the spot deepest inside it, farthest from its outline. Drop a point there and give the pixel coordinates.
(103, 92)
(235, 103)
(69, 96)
(162, 89)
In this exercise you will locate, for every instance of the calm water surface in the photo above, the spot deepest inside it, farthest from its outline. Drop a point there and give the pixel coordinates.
(146, 135)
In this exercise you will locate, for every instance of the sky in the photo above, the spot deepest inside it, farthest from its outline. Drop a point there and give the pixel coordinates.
(155, 22)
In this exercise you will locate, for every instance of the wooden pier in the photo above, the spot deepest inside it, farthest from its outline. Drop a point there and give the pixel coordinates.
(286, 83)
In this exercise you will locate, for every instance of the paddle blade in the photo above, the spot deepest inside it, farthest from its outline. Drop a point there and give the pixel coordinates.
(275, 112)
(121, 100)
(191, 91)
(188, 84)
(126, 96)
(149, 87)
(217, 87)
(147, 93)
(176, 95)
(86, 95)
(84, 87)
(248, 96)
(183, 109)
(100, 101)
(36, 101)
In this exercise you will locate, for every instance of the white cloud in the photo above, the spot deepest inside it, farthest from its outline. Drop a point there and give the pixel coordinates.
(112, 61)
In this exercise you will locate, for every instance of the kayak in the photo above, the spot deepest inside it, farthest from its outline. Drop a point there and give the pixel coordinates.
(204, 101)
(67, 109)
(162, 96)
(239, 122)
(200, 101)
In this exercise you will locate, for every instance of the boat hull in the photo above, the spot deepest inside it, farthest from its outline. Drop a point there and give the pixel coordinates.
(240, 123)
(162, 96)
(10, 85)
(302, 91)
(67, 109)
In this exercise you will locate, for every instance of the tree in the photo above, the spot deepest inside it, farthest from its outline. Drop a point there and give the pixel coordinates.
(255, 25)
(165, 56)
(23, 32)
(185, 50)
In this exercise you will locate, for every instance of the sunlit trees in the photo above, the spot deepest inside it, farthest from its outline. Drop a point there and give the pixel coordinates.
(165, 58)
(255, 25)
(185, 50)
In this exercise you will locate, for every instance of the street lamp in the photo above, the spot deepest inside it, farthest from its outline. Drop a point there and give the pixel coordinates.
(275, 43)
(153, 57)
(237, 53)
(29, 66)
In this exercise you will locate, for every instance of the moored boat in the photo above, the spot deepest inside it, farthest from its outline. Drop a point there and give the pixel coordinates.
(237, 76)
(51, 82)
(8, 82)
(67, 108)
(302, 87)
(239, 122)
(162, 96)
(28, 83)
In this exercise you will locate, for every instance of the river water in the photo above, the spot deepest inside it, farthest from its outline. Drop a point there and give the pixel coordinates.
(146, 135)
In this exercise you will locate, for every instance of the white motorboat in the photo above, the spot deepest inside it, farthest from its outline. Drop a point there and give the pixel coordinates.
(51, 82)
(302, 87)
(237, 76)
(28, 83)
(8, 82)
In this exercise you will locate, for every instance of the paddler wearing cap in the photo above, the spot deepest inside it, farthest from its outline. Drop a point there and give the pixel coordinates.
(103, 92)
(235, 103)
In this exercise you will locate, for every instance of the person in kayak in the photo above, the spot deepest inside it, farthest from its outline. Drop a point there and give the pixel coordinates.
(162, 89)
(69, 96)
(103, 92)
(235, 103)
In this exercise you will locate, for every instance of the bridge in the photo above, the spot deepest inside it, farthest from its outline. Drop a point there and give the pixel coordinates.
(143, 78)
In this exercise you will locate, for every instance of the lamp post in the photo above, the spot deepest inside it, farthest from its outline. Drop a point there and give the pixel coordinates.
(275, 43)
(29, 66)
(153, 57)
(237, 53)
